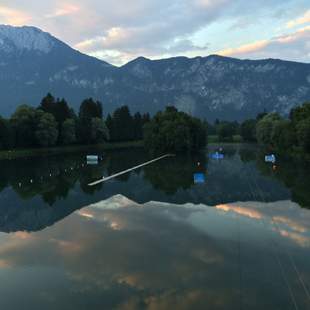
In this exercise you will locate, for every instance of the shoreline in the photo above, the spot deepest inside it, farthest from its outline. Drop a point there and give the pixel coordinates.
(20, 153)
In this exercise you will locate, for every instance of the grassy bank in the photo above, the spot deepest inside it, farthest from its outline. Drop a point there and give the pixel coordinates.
(19, 153)
(215, 139)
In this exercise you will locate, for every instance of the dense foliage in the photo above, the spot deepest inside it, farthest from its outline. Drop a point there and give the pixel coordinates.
(286, 135)
(125, 127)
(173, 131)
(53, 122)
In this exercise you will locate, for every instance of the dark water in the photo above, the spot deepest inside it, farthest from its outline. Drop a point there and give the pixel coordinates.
(250, 250)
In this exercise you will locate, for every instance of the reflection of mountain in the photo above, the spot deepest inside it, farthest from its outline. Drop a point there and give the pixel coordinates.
(27, 218)
(117, 254)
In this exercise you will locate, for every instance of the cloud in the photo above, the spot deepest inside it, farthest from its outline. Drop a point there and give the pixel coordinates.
(165, 24)
(293, 46)
(304, 19)
(159, 28)
(244, 49)
(122, 31)
(64, 10)
(13, 17)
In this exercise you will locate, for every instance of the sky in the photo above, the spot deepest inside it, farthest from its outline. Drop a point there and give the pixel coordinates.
(121, 30)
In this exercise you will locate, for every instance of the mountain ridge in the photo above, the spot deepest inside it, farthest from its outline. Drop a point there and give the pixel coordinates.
(209, 87)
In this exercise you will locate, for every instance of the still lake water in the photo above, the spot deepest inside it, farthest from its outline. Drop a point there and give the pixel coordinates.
(152, 239)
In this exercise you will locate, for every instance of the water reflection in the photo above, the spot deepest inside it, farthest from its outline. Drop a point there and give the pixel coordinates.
(118, 254)
(37, 192)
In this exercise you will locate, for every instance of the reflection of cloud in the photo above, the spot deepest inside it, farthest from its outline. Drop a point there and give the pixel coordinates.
(23, 235)
(248, 212)
(296, 220)
(301, 240)
(86, 214)
(294, 225)
(4, 264)
(171, 262)
(67, 247)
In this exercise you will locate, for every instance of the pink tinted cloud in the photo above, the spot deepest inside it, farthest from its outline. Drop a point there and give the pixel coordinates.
(292, 46)
(12, 16)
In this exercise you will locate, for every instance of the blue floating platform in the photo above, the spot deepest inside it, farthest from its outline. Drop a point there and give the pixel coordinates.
(199, 178)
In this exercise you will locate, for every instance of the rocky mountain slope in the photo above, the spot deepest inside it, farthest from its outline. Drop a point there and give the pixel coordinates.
(33, 63)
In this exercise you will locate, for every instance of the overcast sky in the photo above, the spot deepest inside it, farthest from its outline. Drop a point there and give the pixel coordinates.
(118, 31)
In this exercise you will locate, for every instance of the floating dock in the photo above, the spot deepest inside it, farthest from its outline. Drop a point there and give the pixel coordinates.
(128, 170)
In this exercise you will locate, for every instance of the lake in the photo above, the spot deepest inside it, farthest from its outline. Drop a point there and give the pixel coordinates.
(153, 238)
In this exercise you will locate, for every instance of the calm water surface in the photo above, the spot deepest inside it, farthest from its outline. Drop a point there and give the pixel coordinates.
(153, 239)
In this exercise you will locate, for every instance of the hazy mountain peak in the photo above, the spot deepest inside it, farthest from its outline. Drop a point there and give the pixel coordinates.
(24, 38)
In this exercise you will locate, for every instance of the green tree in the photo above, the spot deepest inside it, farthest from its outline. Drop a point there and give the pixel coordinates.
(122, 129)
(173, 131)
(90, 108)
(146, 118)
(48, 104)
(283, 135)
(138, 126)
(47, 132)
(300, 113)
(99, 130)
(24, 122)
(59, 109)
(248, 130)
(211, 129)
(225, 131)
(303, 134)
(6, 134)
(264, 128)
(68, 134)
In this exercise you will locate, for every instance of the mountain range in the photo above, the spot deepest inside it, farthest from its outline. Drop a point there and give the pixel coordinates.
(33, 63)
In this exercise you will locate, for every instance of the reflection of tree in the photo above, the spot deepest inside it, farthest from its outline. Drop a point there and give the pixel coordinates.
(247, 154)
(293, 174)
(296, 177)
(122, 160)
(59, 187)
(91, 174)
(49, 177)
(174, 173)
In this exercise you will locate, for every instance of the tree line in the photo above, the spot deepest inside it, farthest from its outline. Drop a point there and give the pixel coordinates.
(288, 135)
(53, 123)
(271, 130)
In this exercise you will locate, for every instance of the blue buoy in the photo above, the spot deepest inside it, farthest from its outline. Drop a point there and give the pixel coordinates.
(199, 178)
